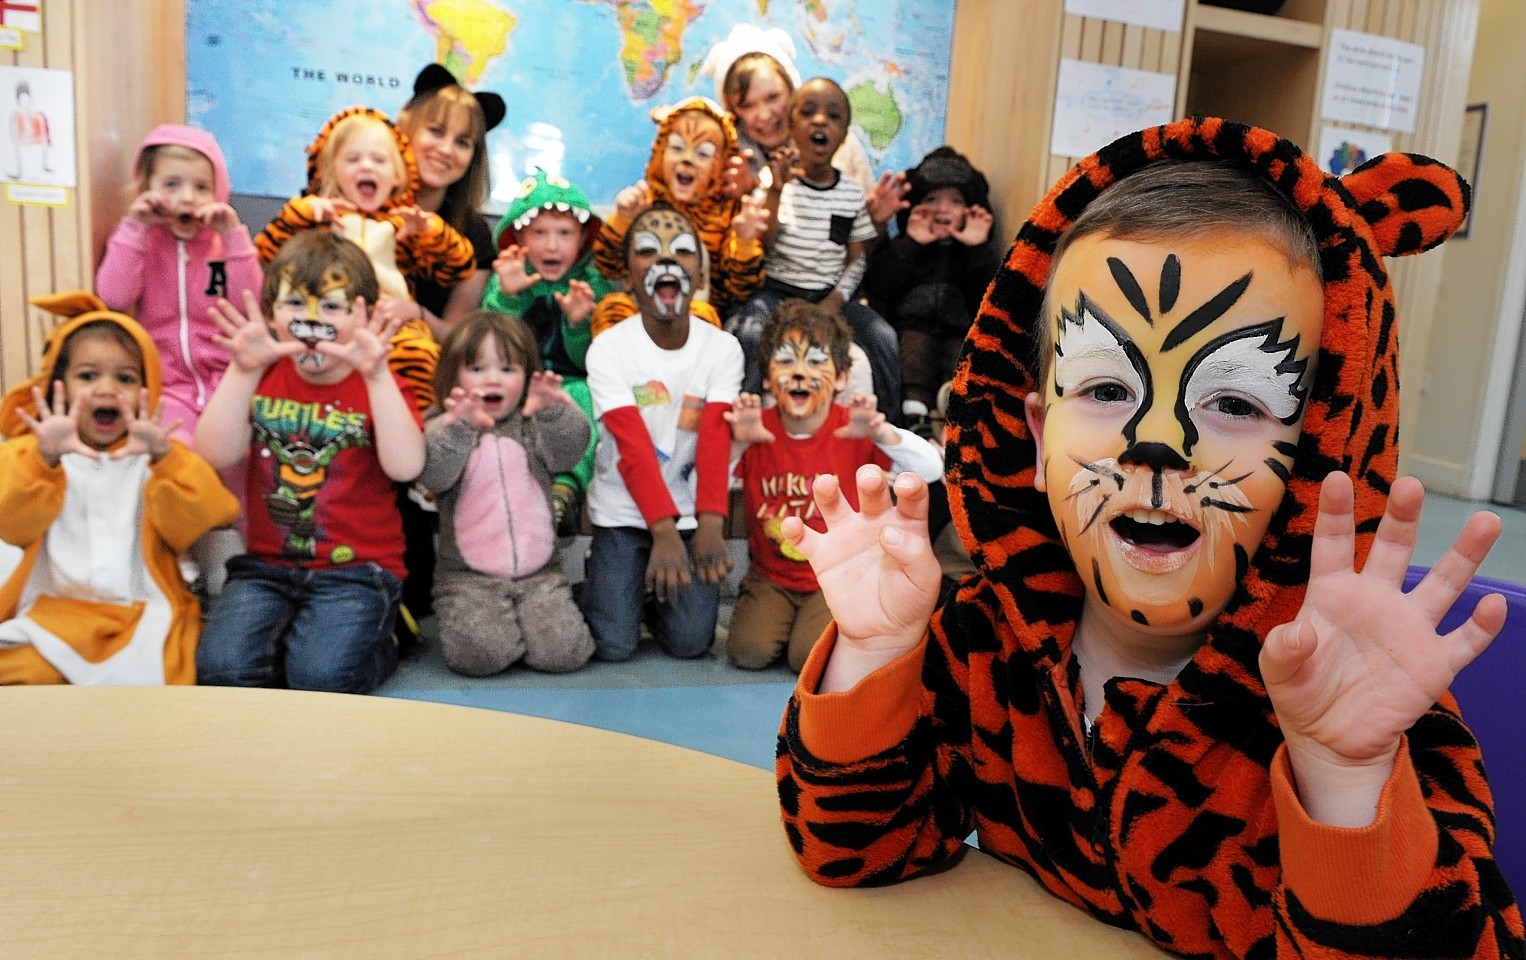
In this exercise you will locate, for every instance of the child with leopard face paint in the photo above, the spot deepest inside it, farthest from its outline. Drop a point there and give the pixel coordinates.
(662, 383)
(1185, 688)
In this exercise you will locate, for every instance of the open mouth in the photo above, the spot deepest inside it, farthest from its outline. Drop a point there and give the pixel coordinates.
(684, 180)
(367, 190)
(492, 399)
(106, 418)
(667, 286)
(819, 138)
(1154, 530)
(186, 219)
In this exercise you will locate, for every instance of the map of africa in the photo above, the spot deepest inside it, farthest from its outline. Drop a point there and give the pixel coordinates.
(580, 77)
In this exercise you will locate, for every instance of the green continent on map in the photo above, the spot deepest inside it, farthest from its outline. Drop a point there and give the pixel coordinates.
(875, 111)
(468, 34)
(652, 32)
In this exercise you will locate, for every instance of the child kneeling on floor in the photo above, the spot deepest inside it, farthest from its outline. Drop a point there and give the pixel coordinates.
(780, 451)
(328, 429)
(101, 498)
(507, 430)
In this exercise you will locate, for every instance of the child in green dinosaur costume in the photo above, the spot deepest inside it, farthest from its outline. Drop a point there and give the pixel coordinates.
(544, 274)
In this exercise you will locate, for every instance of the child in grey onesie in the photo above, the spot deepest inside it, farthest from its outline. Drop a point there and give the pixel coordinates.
(506, 430)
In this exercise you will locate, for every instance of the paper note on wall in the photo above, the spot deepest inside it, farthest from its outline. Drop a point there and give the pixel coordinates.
(1095, 104)
(1156, 14)
(1372, 80)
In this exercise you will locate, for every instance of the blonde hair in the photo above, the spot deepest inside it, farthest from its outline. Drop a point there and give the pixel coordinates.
(464, 198)
(151, 156)
(345, 131)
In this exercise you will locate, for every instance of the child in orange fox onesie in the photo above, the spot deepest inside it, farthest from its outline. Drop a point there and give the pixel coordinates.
(101, 499)
(695, 138)
(1185, 689)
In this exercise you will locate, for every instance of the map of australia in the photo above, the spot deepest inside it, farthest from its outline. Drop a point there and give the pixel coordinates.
(580, 77)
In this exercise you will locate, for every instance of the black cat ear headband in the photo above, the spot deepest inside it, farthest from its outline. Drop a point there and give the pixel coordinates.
(435, 77)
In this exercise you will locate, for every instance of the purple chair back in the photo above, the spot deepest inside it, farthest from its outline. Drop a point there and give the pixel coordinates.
(1487, 691)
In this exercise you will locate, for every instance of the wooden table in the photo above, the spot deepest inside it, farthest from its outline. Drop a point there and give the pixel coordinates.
(208, 823)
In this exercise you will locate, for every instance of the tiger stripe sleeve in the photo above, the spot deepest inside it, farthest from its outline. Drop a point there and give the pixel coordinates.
(292, 219)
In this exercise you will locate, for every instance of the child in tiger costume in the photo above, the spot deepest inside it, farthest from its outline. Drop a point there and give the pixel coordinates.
(362, 180)
(695, 138)
(1167, 693)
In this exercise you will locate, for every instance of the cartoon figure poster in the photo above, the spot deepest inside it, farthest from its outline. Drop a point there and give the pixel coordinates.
(37, 139)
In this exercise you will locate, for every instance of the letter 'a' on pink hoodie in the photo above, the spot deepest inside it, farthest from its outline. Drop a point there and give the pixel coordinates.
(169, 284)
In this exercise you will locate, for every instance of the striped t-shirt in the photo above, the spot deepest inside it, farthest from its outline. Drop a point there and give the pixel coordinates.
(816, 224)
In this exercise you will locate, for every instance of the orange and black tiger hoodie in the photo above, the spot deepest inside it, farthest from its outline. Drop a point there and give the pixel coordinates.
(1181, 820)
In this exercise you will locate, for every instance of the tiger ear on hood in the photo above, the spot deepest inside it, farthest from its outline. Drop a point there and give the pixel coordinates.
(70, 303)
(1412, 203)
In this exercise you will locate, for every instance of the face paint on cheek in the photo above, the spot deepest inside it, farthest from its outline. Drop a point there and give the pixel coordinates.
(664, 249)
(801, 376)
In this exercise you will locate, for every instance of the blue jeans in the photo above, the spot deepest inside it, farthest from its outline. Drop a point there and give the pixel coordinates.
(870, 330)
(615, 589)
(276, 626)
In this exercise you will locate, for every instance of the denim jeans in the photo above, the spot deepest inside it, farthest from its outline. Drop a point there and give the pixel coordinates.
(615, 589)
(871, 331)
(277, 626)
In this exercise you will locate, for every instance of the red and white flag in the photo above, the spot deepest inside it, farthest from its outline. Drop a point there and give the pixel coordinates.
(21, 15)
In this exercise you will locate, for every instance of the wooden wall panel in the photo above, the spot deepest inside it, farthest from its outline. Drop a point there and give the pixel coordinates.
(128, 61)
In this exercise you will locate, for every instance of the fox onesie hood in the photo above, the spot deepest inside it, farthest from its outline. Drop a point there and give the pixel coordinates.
(79, 308)
(98, 596)
(1396, 204)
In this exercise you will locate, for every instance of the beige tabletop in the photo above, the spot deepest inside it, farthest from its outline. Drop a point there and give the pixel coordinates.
(208, 823)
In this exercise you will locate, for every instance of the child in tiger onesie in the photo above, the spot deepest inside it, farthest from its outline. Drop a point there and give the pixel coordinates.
(1168, 693)
(362, 180)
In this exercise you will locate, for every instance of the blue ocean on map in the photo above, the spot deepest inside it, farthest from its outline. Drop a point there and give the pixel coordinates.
(580, 77)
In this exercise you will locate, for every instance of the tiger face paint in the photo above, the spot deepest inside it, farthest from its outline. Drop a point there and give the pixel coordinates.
(1169, 416)
(309, 317)
(691, 159)
(803, 379)
(663, 262)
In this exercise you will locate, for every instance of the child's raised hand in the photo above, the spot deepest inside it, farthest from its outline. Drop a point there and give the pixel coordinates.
(864, 418)
(887, 197)
(327, 209)
(737, 179)
(366, 351)
(784, 164)
(247, 337)
(148, 208)
(631, 202)
(577, 303)
(544, 390)
(397, 310)
(145, 433)
(977, 227)
(56, 426)
(1362, 661)
(875, 566)
(217, 216)
(751, 219)
(465, 406)
(415, 219)
(746, 419)
(920, 226)
(510, 267)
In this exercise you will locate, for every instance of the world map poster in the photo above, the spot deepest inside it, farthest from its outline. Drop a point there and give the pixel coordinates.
(580, 77)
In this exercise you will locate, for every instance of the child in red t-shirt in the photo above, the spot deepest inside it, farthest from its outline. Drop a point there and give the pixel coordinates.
(780, 452)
